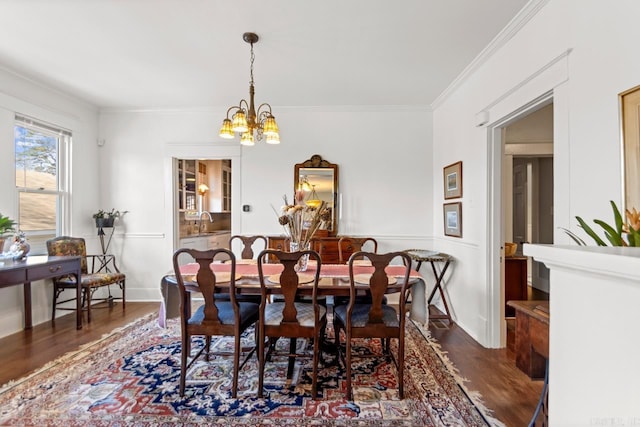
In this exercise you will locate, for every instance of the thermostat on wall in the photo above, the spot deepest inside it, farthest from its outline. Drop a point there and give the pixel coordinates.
(246, 208)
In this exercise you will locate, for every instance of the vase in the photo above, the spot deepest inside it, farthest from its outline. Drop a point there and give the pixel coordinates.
(303, 262)
(20, 246)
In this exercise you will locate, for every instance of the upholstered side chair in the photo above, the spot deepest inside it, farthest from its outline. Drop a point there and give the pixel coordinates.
(97, 271)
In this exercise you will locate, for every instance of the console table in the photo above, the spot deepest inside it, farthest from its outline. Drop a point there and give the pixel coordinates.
(34, 268)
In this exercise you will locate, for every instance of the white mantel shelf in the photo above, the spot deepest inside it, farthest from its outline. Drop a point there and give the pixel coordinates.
(594, 350)
(622, 262)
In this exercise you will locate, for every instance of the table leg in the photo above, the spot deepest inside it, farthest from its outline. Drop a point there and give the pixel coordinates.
(26, 287)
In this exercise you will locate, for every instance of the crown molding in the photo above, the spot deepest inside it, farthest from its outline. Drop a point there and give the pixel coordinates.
(511, 29)
(290, 109)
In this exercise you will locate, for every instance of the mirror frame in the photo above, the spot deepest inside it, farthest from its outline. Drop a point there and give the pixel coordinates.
(316, 161)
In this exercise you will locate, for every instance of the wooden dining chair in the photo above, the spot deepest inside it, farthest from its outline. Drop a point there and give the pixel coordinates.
(248, 255)
(224, 317)
(97, 271)
(375, 319)
(248, 242)
(348, 245)
(290, 317)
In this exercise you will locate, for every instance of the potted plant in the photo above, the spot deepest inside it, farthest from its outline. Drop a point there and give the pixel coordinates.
(6, 225)
(625, 231)
(106, 218)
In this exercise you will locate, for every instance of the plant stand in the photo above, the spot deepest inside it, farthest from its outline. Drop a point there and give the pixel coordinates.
(104, 268)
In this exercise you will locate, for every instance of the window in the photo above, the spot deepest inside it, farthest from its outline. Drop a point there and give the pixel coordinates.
(41, 152)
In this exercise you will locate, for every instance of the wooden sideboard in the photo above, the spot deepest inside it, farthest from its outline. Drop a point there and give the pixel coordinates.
(326, 246)
(515, 282)
(532, 336)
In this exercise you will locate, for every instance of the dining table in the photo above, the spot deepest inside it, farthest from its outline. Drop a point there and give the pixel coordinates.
(334, 281)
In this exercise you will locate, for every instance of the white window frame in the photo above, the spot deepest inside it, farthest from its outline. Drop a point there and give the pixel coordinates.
(63, 181)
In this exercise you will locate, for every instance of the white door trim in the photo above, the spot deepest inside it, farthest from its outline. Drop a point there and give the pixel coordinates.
(542, 87)
(195, 151)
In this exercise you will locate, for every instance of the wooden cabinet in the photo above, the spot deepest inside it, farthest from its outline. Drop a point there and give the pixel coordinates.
(226, 185)
(186, 185)
(515, 282)
(219, 241)
(219, 182)
(213, 241)
(277, 243)
(327, 247)
(199, 243)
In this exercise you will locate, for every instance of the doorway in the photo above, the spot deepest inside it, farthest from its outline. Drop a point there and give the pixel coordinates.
(203, 199)
(528, 189)
(195, 151)
(526, 137)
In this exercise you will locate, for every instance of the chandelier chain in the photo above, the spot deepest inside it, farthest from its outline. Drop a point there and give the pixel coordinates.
(253, 57)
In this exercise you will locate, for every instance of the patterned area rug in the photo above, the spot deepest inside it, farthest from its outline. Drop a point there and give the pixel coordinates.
(130, 377)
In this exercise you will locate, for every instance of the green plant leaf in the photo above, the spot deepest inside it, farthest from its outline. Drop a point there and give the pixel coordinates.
(617, 217)
(6, 225)
(612, 235)
(634, 237)
(590, 232)
(574, 236)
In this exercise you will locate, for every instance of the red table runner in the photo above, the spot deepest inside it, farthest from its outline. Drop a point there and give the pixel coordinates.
(326, 270)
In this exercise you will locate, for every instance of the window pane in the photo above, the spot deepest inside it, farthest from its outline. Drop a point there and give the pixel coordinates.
(38, 211)
(36, 159)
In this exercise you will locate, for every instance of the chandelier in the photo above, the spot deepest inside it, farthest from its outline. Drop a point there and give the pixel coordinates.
(246, 120)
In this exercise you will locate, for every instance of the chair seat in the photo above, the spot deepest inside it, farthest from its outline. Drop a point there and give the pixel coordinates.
(92, 280)
(360, 315)
(248, 313)
(305, 316)
(360, 299)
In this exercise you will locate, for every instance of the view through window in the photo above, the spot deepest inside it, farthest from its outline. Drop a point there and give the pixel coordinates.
(41, 184)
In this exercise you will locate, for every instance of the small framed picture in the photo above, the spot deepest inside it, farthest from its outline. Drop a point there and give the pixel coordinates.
(452, 176)
(453, 219)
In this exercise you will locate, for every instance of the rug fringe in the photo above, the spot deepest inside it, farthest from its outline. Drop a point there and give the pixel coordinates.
(474, 396)
(74, 354)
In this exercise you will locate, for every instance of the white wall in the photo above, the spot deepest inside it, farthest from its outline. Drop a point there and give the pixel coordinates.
(384, 172)
(593, 369)
(597, 41)
(25, 97)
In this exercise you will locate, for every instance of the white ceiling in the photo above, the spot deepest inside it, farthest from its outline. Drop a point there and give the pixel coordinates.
(190, 53)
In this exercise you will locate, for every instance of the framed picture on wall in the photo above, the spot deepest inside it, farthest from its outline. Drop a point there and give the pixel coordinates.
(453, 219)
(452, 176)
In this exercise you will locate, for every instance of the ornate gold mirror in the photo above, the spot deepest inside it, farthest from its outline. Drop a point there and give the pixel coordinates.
(318, 180)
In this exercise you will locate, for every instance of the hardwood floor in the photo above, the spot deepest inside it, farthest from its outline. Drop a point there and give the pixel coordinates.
(28, 350)
(507, 391)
